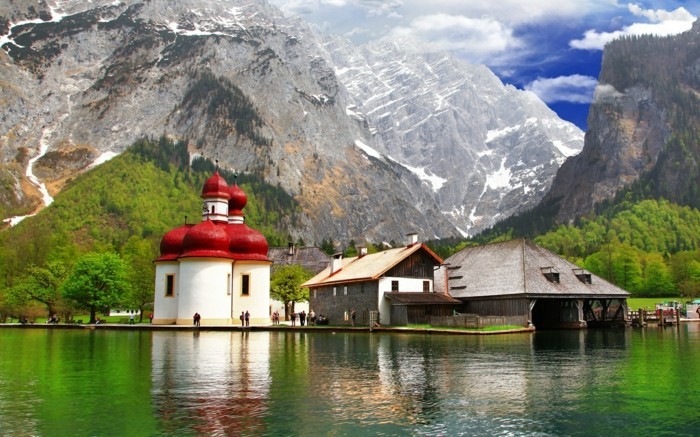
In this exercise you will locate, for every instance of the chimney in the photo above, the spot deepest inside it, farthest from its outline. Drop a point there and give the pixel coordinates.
(412, 239)
(336, 262)
(363, 251)
(290, 249)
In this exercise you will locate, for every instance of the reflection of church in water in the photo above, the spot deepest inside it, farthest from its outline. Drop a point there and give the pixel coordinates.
(218, 268)
(222, 393)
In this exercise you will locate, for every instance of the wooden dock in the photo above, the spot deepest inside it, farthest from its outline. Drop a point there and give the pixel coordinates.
(660, 317)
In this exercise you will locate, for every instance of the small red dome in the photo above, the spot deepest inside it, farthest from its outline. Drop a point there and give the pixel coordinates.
(237, 201)
(171, 243)
(246, 243)
(215, 186)
(206, 239)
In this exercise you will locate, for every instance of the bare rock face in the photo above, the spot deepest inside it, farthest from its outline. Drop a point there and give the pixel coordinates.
(484, 149)
(642, 126)
(445, 151)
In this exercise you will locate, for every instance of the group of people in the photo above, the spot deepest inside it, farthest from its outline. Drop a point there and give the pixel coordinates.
(245, 318)
(303, 318)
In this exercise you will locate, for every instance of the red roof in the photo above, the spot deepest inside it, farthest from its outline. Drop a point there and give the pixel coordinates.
(206, 239)
(237, 201)
(171, 243)
(216, 186)
(246, 243)
(216, 239)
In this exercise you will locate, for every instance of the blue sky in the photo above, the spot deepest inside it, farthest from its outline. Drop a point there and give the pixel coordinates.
(551, 47)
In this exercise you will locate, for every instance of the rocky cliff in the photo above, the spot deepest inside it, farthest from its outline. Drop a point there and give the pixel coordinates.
(643, 128)
(261, 93)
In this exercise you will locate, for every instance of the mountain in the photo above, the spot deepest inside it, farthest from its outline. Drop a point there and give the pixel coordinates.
(371, 142)
(643, 139)
(486, 150)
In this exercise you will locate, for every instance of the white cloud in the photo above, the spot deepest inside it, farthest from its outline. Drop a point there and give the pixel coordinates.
(662, 23)
(509, 12)
(604, 92)
(476, 38)
(574, 89)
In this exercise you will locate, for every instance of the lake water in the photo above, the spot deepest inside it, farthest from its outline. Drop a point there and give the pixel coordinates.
(634, 381)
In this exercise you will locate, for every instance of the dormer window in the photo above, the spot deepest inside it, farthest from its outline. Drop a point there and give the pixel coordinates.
(582, 275)
(551, 274)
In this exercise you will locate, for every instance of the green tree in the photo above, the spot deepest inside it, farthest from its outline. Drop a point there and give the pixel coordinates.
(98, 281)
(41, 284)
(627, 270)
(139, 255)
(657, 277)
(285, 285)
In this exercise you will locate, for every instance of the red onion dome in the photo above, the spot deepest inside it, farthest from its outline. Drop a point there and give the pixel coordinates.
(171, 243)
(215, 186)
(246, 243)
(206, 239)
(238, 200)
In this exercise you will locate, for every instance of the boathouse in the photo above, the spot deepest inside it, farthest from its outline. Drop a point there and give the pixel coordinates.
(522, 280)
(398, 283)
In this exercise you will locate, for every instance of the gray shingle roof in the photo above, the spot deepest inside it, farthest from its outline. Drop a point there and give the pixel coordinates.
(312, 259)
(517, 267)
(413, 298)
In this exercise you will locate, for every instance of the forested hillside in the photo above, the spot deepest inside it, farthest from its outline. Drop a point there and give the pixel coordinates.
(125, 206)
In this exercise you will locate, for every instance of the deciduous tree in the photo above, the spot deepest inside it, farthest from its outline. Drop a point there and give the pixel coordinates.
(285, 285)
(41, 284)
(98, 281)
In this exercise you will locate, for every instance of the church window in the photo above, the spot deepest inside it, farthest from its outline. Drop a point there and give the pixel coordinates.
(228, 284)
(394, 285)
(426, 286)
(169, 285)
(245, 285)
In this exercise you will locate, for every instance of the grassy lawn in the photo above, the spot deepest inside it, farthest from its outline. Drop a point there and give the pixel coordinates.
(105, 319)
(649, 303)
(459, 328)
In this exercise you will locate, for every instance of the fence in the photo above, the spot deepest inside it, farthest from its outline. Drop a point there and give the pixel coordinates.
(475, 321)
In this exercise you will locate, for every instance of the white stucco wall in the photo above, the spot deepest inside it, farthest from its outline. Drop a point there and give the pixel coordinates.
(165, 308)
(405, 285)
(220, 208)
(203, 289)
(257, 302)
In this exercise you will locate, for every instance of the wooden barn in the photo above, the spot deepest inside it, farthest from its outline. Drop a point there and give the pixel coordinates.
(518, 278)
(398, 283)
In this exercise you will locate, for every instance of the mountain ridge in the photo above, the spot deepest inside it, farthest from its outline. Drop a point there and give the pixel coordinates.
(253, 89)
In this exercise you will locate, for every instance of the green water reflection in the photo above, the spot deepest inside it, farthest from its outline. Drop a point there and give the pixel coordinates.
(101, 382)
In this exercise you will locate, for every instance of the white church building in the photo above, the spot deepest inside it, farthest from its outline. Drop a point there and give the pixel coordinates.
(218, 268)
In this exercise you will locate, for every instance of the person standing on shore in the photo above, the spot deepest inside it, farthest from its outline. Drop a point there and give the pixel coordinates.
(247, 318)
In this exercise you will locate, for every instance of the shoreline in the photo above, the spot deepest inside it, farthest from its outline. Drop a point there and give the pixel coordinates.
(285, 328)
